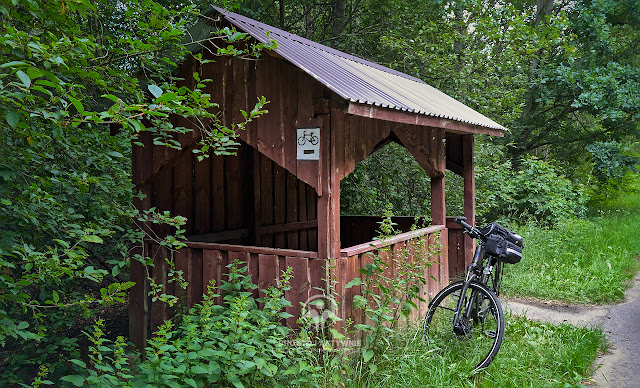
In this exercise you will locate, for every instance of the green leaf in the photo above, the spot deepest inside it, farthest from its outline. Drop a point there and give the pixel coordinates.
(76, 380)
(155, 90)
(367, 355)
(56, 297)
(93, 239)
(13, 117)
(354, 282)
(77, 104)
(24, 78)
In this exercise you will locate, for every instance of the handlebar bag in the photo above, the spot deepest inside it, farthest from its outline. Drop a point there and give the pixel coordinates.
(502, 243)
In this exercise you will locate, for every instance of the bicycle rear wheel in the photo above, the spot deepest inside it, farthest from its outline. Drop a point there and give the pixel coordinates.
(478, 337)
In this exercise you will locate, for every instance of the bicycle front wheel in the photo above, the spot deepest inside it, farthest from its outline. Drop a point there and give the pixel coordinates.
(476, 340)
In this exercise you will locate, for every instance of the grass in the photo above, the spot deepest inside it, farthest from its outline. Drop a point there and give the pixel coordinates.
(580, 261)
(533, 355)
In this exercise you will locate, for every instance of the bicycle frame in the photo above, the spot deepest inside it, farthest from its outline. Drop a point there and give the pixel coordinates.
(479, 273)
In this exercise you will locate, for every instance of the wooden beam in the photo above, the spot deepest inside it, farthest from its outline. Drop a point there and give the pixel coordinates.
(469, 179)
(421, 152)
(377, 244)
(398, 116)
(252, 249)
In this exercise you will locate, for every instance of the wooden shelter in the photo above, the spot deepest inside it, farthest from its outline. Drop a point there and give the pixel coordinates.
(277, 203)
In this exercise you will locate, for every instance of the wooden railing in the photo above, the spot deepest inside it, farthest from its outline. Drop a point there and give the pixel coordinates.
(202, 262)
(426, 241)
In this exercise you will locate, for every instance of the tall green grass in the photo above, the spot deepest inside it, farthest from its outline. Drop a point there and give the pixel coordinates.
(533, 354)
(580, 261)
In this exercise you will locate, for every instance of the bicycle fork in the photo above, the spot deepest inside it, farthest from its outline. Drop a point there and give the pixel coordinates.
(462, 315)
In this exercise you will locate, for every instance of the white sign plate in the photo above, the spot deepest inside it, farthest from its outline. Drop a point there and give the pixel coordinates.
(308, 140)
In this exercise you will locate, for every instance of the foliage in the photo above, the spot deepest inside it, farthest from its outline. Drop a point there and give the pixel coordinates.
(613, 167)
(536, 192)
(79, 81)
(388, 176)
(227, 340)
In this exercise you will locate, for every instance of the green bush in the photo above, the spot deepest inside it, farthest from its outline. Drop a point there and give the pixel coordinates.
(235, 343)
(535, 192)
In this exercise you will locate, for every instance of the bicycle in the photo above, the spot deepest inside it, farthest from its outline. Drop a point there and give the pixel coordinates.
(466, 317)
(309, 137)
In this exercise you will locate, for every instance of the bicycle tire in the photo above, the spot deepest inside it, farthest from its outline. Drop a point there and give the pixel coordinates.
(482, 335)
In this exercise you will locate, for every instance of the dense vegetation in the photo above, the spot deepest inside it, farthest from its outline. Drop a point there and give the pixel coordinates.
(80, 79)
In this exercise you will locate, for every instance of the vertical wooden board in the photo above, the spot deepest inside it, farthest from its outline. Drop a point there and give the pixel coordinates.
(444, 268)
(229, 92)
(254, 270)
(266, 198)
(218, 197)
(300, 287)
(351, 266)
(304, 98)
(196, 286)
(163, 197)
(289, 114)
(338, 148)
(270, 126)
(337, 279)
(303, 215)
(280, 203)
(267, 272)
(160, 278)
(240, 98)
(312, 214)
(138, 301)
(183, 188)
(318, 276)
(182, 259)
(252, 97)
(234, 183)
(213, 266)
(292, 210)
(241, 257)
(203, 197)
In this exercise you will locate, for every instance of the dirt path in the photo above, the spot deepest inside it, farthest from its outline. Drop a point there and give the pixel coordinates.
(620, 367)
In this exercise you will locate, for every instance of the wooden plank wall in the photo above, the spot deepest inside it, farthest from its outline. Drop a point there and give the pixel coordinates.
(285, 209)
(458, 260)
(245, 199)
(203, 262)
(293, 102)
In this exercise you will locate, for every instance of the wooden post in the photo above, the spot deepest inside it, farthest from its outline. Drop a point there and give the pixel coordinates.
(329, 200)
(438, 208)
(468, 174)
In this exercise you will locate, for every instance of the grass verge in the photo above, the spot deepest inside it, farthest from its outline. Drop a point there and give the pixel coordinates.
(533, 354)
(580, 261)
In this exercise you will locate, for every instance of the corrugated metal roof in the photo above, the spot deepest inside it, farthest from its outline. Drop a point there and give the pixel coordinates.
(359, 80)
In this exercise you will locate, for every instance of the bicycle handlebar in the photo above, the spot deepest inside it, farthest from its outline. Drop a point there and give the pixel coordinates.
(473, 232)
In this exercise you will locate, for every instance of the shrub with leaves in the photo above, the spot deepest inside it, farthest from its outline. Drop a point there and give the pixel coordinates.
(72, 101)
(233, 343)
(536, 192)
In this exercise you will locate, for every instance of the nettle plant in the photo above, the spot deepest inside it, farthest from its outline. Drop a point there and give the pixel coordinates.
(386, 299)
(232, 338)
